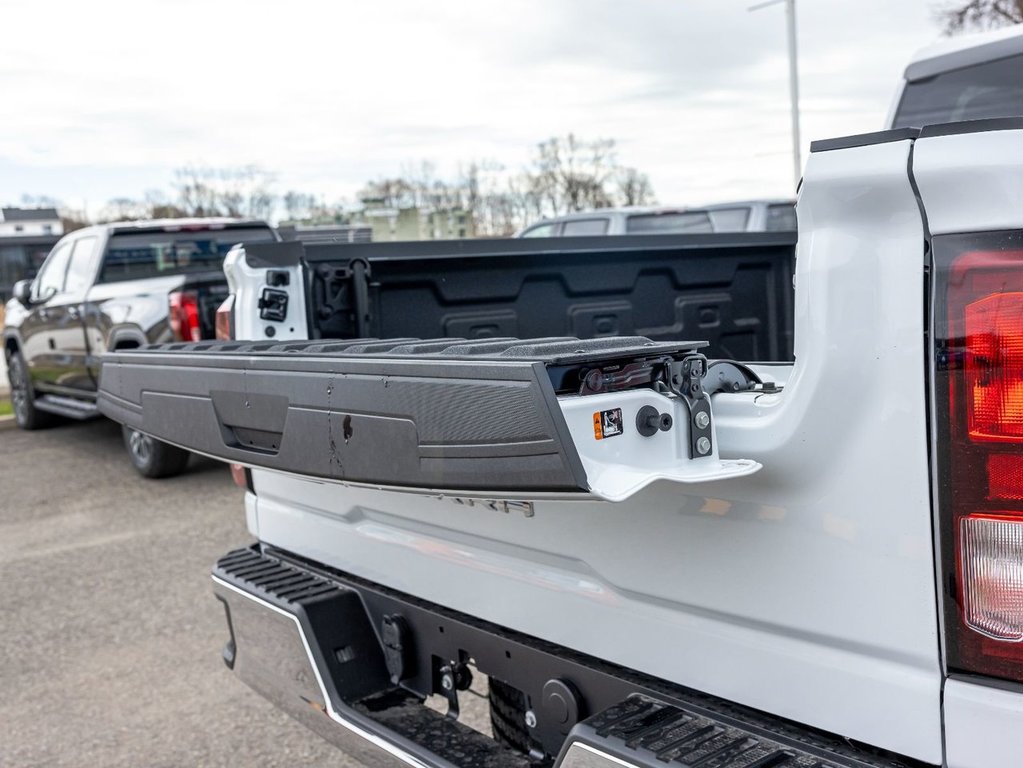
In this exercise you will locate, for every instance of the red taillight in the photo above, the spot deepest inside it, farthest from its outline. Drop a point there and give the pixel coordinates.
(242, 476)
(979, 375)
(994, 367)
(184, 316)
(225, 319)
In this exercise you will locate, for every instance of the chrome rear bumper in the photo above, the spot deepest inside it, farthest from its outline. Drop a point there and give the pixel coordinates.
(307, 641)
(271, 655)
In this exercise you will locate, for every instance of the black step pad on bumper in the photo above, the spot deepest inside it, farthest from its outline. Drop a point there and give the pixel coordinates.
(649, 733)
(325, 668)
(441, 414)
(309, 640)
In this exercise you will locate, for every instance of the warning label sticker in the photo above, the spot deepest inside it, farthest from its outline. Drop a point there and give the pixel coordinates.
(607, 423)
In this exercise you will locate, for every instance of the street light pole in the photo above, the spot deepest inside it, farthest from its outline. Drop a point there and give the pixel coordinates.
(790, 17)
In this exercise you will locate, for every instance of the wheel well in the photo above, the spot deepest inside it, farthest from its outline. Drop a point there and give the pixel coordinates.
(126, 344)
(10, 346)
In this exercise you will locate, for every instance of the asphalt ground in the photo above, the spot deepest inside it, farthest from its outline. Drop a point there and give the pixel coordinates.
(110, 637)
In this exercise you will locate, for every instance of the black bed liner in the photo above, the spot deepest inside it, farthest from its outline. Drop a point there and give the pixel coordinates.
(444, 414)
(732, 289)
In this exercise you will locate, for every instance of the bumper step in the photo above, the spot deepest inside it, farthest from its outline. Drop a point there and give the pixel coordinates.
(640, 731)
(326, 669)
(310, 641)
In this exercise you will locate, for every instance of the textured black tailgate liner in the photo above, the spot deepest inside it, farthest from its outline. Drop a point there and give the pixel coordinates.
(444, 413)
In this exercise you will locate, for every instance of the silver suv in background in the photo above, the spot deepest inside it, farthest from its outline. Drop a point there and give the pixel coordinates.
(972, 77)
(742, 216)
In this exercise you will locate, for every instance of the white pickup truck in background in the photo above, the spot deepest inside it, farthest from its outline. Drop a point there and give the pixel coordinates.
(656, 555)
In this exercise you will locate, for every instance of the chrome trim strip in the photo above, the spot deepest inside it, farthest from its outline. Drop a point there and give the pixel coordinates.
(372, 738)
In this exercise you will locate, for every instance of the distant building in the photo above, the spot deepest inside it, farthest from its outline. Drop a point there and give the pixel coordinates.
(30, 222)
(326, 233)
(391, 224)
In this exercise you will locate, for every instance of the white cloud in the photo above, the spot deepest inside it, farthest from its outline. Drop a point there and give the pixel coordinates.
(106, 94)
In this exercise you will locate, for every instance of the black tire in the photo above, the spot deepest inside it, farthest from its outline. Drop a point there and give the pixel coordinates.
(23, 396)
(152, 458)
(508, 716)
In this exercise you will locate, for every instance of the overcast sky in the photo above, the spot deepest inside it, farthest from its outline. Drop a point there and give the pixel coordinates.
(103, 98)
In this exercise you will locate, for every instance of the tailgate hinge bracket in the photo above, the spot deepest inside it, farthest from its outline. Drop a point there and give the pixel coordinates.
(686, 380)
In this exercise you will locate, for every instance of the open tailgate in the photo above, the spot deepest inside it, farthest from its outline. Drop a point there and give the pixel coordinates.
(443, 414)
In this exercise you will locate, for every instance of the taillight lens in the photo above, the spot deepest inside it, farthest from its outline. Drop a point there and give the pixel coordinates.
(184, 316)
(225, 319)
(978, 335)
(993, 365)
(242, 476)
(991, 556)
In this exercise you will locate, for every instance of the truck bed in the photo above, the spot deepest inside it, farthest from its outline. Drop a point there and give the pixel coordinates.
(733, 291)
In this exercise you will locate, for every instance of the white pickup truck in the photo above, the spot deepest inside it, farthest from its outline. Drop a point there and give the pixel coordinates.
(657, 556)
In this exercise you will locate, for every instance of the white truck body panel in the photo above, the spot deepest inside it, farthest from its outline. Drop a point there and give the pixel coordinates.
(805, 590)
(971, 182)
(982, 725)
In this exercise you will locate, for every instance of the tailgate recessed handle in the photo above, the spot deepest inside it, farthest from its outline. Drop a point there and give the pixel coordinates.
(251, 421)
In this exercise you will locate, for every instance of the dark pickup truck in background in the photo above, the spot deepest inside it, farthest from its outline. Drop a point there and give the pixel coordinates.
(111, 287)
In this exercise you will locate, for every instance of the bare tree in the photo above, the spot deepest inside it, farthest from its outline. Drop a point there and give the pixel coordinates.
(571, 174)
(566, 174)
(633, 187)
(40, 201)
(298, 205)
(396, 192)
(979, 14)
(244, 191)
(196, 191)
(124, 209)
(159, 207)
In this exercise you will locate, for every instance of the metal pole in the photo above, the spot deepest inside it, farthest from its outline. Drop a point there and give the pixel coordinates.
(797, 147)
(790, 17)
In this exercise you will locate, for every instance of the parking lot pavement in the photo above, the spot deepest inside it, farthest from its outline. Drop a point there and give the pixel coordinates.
(111, 638)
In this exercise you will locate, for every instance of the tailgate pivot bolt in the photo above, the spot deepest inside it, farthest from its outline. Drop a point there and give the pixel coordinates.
(703, 446)
(702, 419)
(530, 719)
(447, 681)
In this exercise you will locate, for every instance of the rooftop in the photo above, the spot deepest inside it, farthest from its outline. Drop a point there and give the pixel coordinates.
(29, 214)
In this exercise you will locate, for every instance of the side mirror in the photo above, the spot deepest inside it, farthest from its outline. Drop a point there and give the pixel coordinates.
(22, 291)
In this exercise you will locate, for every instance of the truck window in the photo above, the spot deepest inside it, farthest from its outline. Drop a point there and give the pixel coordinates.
(541, 230)
(82, 266)
(51, 276)
(133, 256)
(580, 227)
(730, 219)
(663, 223)
(991, 89)
(781, 217)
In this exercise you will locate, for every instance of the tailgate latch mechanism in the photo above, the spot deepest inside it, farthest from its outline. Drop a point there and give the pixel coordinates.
(273, 305)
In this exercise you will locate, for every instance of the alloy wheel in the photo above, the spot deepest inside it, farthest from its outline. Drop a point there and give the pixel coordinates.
(141, 446)
(19, 389)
